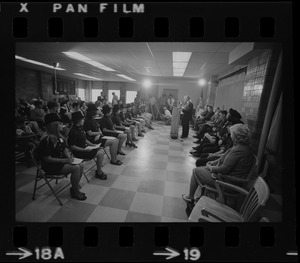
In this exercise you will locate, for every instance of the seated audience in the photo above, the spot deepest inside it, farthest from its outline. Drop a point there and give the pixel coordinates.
(167, 116)
(235, 162)
(129, 119)
(79, 145)
(55, 156)
(95, 135)
(136, 118)
(108, 129)
(127, 124)
(38, 113)
(130, 132)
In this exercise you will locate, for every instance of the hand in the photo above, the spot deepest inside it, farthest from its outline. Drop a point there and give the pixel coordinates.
(70, 160)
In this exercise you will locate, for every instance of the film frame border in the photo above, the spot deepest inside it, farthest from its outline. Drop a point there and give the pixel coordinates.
(142, 248)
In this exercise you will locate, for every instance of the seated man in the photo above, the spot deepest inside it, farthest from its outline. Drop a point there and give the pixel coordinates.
(167, 116)
(236, 162)
(108, 129)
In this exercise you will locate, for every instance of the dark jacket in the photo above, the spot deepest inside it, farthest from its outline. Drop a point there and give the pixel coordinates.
(188, 111)
(237, 161)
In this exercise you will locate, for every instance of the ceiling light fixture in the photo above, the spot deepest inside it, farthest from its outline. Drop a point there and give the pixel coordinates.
(180, 62)
(125, 77)
(78, 56)
(147, 83)
(202, 82)
(37, 63)
(87, 76)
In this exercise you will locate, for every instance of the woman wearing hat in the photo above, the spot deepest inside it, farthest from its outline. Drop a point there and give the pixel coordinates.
(237, 161)
(118, 126)
(94, 134)
(79, 144)
(108, 129)
(128, 118)
(126, 123)
(55, 156)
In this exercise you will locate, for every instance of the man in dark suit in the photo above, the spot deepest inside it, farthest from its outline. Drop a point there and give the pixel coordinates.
(187, 110)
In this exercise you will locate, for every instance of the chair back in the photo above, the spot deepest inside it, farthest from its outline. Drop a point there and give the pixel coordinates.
(34, 156)
(252, 175)
(255, 200)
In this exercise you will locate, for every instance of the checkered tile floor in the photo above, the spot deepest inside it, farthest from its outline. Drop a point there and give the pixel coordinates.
(146, 188)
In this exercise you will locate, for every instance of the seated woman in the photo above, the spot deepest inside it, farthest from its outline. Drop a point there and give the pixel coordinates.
(127, 124)
(55, 156)
(235, 162)
(224, 144)
(128, 118)
(38, 113)
(136, 118)
(108, 129)
(118, 126)
(143, 118)
(79, 144)
(94, 134)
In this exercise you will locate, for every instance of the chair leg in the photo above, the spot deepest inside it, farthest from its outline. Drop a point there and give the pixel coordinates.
(86, 177)
(34, 189)
(106, 153)
(52, 190)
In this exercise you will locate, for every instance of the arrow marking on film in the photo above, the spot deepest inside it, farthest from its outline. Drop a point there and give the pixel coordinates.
(24, 254)
(171, 254)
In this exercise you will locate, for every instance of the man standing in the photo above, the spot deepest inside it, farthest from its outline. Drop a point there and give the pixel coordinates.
(187, 110)
(170, 103)
(114, 99)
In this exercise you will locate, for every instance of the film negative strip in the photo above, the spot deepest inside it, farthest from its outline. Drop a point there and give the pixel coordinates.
(132, 222)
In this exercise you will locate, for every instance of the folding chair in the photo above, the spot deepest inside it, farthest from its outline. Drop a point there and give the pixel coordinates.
(210, 210)
(41, 175)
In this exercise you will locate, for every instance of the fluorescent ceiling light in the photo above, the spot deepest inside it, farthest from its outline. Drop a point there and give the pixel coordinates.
(87, 76)
(36, 62)
(181, 56)
(125, 77)
(179, 65)
(180, 62)
(78, 56)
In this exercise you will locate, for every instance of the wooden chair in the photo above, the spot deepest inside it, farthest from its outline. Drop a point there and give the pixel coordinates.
(210, 210)
(245, 183)
(41, 175)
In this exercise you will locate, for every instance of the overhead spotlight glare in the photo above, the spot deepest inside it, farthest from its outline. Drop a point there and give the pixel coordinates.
(147, 83)
(202, 82)
(37, 63)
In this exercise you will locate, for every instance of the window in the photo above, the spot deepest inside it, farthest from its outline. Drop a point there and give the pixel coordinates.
(130, 96)
(95, 94)
(110, 96)
(81, 94)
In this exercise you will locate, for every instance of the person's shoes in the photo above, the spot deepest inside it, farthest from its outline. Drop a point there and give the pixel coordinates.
(192, 152)
(143, 131)
(196, 148)
(78, 196)
(183, 137)
(196, 154)
(121, 153)
(151, 128)
(118, 162)
(141, 135)
(101, 176)
(133, 145)
(197, 142)
(135, 140)
(196, 137)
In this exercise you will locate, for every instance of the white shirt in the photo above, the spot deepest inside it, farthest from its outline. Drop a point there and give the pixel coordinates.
(168, 113)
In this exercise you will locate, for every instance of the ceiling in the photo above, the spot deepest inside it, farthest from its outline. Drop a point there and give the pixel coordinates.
(136, 60)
